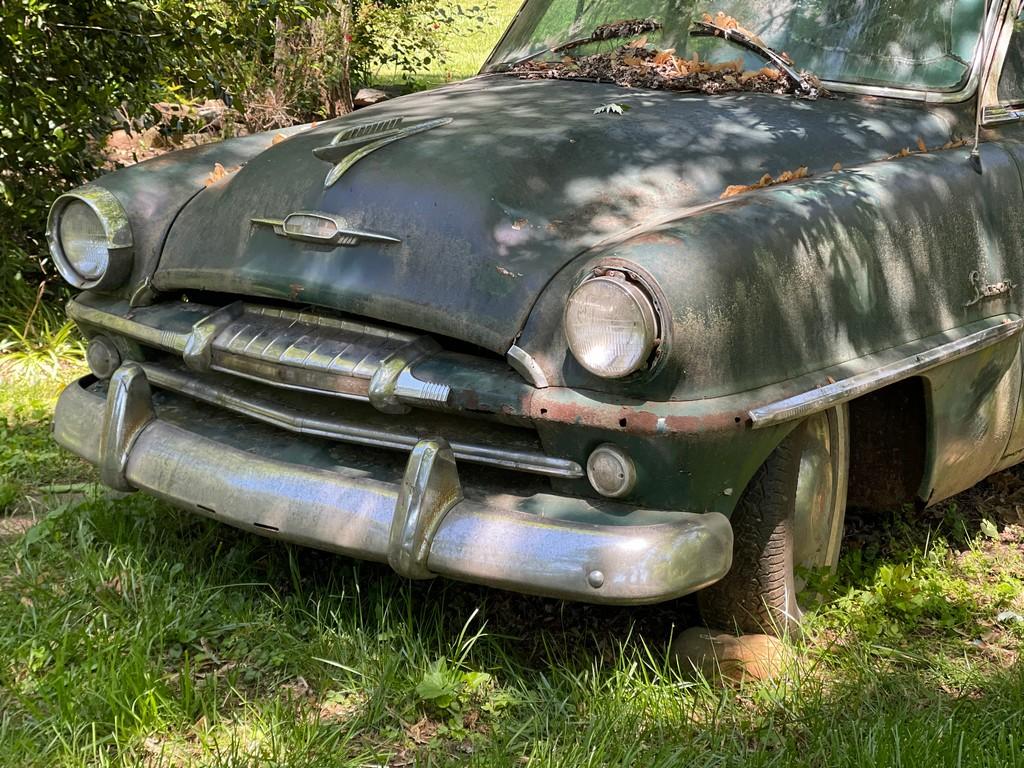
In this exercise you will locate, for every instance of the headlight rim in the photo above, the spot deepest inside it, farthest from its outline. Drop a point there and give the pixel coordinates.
(655, 301)
(118, 231)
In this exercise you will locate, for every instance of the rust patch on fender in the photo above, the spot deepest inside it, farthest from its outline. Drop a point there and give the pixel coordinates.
(632, 419)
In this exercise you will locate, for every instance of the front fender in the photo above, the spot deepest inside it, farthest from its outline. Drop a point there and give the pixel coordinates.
(792, 279)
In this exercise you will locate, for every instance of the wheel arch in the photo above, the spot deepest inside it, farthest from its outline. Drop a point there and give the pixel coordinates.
(926, 438)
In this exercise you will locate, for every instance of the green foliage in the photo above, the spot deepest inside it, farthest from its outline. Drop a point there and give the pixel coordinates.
(70, 72)
(65, 70)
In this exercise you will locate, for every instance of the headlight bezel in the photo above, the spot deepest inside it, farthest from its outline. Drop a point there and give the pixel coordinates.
(644, 291)
(116, 227)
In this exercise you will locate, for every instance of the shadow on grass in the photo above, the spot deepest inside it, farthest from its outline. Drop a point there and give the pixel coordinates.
(529, 629)
(119, 602)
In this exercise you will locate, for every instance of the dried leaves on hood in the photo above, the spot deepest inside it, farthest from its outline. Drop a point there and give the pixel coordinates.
(642, 67)
(767, 181)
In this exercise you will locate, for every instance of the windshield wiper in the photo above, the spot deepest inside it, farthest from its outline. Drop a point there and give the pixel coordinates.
(803, 84)
(614, 31)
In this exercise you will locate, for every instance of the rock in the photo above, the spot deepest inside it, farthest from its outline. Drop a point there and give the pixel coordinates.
(368, 96)
(715, 655)
(212, 110)
(15, 526)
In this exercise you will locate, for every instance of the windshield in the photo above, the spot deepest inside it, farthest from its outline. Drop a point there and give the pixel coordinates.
(921, 44)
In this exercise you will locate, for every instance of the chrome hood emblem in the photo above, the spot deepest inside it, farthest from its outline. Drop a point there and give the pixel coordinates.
(355, 142)
(322, 229)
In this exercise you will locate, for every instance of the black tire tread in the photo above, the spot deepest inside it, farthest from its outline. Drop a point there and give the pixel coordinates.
(756, 596)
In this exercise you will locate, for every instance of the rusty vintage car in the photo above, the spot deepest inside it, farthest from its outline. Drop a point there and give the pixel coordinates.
(566, 327)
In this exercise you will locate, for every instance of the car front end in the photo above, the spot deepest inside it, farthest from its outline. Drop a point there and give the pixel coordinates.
(495, 332)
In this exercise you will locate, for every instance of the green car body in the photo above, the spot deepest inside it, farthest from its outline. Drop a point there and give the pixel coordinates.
(884, 283)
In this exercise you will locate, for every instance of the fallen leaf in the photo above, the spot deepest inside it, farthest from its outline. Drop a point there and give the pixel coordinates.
(278, 139)
(721, 20)
(661, 58)
(519, 224)
(216, 174)
(219, 172)
(423, 731)
(921, 146)
(735, 189)
(837, 167)
(639, 43)
(634, 65)
(766, 181)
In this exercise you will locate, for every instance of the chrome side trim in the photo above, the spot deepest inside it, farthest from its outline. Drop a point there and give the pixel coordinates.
(522, 362)
(537, 544)
(992, 116)
(826, 397)
(280, 416)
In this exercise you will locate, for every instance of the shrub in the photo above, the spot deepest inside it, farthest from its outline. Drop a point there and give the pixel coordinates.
(66, 71)
(71, 72)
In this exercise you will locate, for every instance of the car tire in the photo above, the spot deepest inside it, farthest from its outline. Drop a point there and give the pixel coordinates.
(790, 517)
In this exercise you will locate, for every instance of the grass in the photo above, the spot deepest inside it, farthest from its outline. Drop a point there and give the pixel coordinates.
(134, 634)
(466, 53)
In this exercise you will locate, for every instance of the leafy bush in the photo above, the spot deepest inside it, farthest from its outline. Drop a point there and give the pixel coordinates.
(66, 69)
(71, 72)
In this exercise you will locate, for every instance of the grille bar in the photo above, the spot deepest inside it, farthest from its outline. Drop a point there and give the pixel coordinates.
(342, 430)
(289, 349)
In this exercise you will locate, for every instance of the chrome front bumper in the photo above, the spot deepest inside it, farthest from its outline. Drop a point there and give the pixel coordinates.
(422, 521)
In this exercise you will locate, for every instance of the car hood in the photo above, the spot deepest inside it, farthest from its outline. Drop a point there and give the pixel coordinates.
(489, 207)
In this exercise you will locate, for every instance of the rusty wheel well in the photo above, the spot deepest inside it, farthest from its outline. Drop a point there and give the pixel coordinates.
(888, 441)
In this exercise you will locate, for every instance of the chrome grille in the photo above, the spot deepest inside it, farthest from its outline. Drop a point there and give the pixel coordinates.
(312, 341)
(327, 357)
(307, 351)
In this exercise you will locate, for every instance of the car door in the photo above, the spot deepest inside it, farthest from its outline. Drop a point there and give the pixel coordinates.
(1003, 121)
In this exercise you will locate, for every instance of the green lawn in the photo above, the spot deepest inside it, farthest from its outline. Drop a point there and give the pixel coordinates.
(134, 634)
(466, 53)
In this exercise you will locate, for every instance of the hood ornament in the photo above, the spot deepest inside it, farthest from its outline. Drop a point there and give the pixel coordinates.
(322, 229)
(355, 142)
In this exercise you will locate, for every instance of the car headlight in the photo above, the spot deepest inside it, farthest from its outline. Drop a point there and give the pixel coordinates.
(611, 325)
(90, 239)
